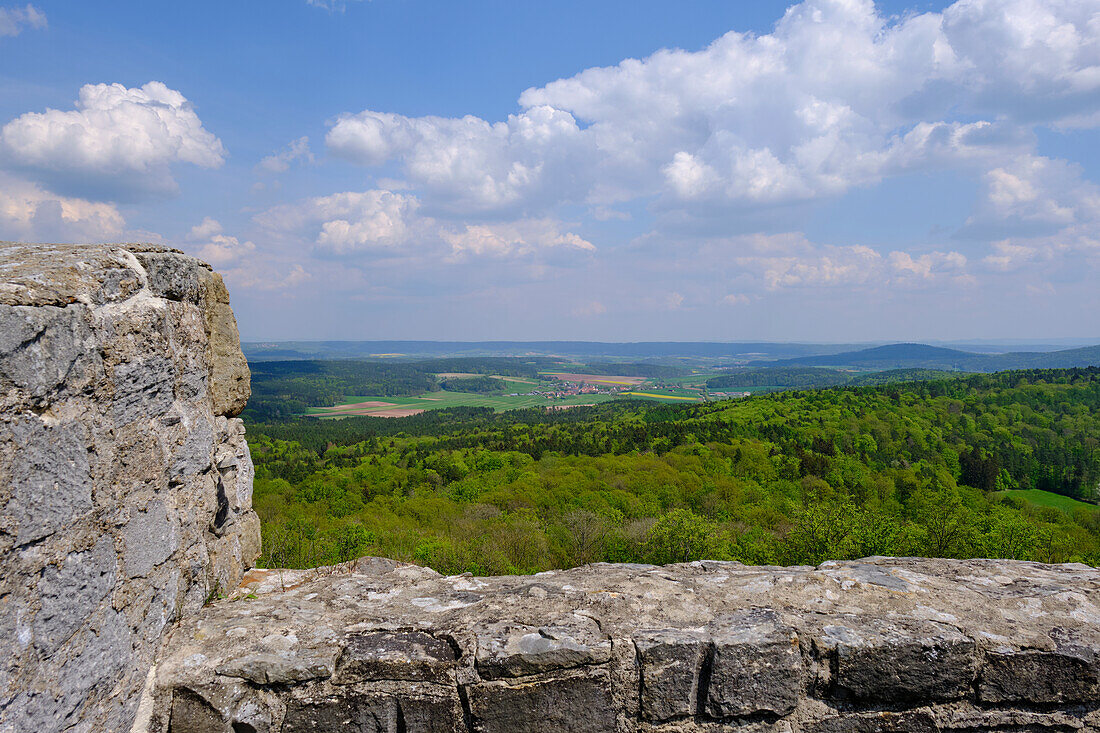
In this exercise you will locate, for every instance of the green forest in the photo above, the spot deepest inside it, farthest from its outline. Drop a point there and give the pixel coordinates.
(936, 468)
(476, 385)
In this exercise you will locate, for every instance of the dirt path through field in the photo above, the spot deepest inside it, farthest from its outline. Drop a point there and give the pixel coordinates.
(359, 406)
(397, 412)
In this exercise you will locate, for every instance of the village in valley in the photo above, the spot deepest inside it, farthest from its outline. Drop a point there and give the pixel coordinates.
(571, 385)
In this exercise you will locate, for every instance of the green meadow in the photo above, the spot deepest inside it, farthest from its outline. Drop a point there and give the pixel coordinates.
(1046, 498)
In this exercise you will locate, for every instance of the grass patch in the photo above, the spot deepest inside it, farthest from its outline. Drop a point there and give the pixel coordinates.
(1046, 498)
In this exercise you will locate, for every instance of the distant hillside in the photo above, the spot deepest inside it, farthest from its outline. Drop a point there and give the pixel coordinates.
(922, 356)
(1065, 359)
(894, 356)
(411, 350)
(773, 377)
(803, 377)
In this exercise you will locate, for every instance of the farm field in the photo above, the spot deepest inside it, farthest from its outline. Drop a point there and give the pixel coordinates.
(1046, 498)
(659, 394)
(403, 406)
(603, 379)
(469, 375)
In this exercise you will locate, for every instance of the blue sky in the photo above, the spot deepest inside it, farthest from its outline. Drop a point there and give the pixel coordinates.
(832, 170)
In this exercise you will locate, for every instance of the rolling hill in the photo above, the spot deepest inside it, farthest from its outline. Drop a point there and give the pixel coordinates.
(922, 356)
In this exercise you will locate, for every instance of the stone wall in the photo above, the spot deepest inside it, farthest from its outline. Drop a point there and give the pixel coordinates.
(875, 645)
(125, 481)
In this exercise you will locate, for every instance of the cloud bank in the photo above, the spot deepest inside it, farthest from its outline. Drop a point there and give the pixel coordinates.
(837, 96)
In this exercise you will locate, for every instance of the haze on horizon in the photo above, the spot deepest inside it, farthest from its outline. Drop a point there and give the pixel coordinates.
(832, 171)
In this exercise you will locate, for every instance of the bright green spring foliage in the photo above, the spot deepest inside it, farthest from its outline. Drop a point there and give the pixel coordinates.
(794, 478)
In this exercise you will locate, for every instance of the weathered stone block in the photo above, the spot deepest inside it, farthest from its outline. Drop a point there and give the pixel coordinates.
(279, 669)
(44, 348)
(506, 650)
(100, 654)
(578, 703)
(774, 668)
(150, 538)
(395, 655)
(1070, 674)
(191, 713)
(879, 722)
(143, 389)
(888, 661)
(756, 666)
(60, 274)
(362, 710)
(670, 661)
(166, 279)
(230, 380)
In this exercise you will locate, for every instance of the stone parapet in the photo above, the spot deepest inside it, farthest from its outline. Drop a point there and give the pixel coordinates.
(881, 644)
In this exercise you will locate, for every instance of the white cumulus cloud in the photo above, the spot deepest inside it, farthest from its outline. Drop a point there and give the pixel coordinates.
(789, 260)
(117, 142)
(349, 222)
(467, 163)
(267, 277)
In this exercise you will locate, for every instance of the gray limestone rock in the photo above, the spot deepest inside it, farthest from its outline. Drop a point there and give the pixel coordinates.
(51, 478)
(71, 592)
(101, 654)
(877, 722)
(191, 713)
(374, 708)
(230, 380)
(116, 379)
(149, 538)
(278, 669)
(143, 389)
(1069, 672)
(44, 348)
(61, 274)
